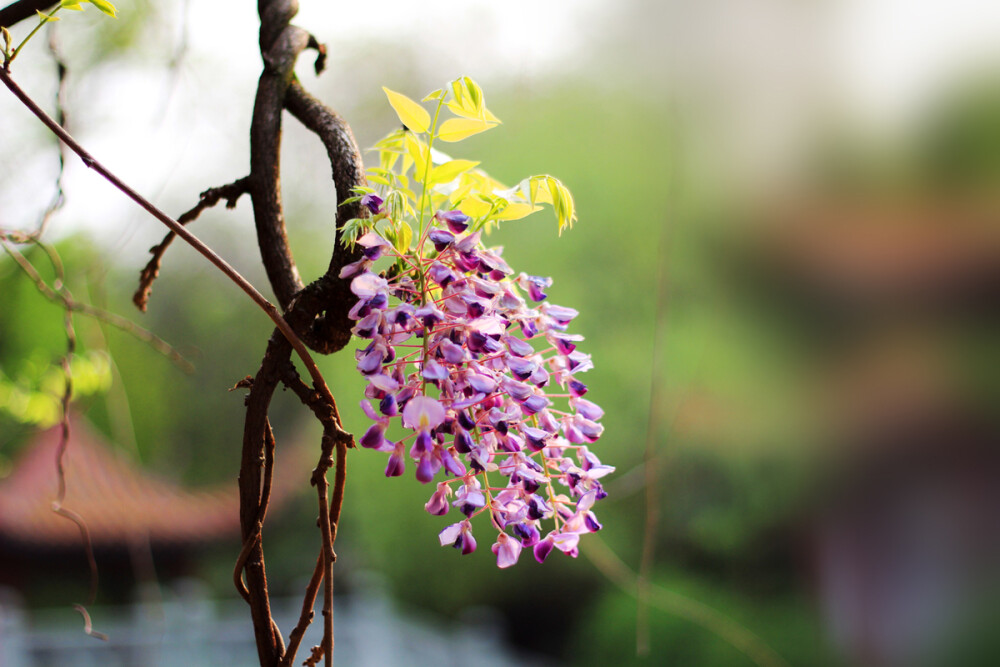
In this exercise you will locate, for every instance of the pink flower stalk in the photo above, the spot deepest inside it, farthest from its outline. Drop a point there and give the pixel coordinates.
(480, 382)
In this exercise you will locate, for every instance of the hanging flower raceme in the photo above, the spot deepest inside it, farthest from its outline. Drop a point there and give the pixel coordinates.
(470, 369)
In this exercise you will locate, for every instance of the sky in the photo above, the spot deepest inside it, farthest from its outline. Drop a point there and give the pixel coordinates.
(880, 60)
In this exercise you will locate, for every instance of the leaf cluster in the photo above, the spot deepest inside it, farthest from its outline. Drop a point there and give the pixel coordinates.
(415, 179)
(9, 53)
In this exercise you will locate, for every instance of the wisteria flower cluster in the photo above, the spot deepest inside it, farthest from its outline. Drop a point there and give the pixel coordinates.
(473, 376)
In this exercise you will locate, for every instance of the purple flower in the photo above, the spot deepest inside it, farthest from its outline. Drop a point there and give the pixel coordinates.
(423, 412)
(459, 535)
(456, 220)
(450, 354)
(534, 285)
(441, 239)
(372, 202)
(438, 504)
(373, 245)
(507, 550)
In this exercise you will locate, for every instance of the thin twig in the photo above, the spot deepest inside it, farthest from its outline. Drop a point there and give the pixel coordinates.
(178, 229)
(612, 567)
(64, 299)
(64, 431)
(231, 193)
(335, 440)
(650, 458)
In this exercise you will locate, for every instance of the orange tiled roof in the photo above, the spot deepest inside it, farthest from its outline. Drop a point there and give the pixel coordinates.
(117, 499)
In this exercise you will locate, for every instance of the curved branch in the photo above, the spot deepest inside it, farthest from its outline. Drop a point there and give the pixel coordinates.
(329, 298)
(284, 44)
(16, 12)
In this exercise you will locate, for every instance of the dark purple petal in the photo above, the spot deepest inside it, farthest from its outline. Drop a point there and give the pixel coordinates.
(388, 406)
(425, 469)
(429, 314)
(481, 383)
(463, 441)
(564, 344)
(457, 221)
(519, 347)
(451, 464)
(372, 202)
(521, 368)
(422, 444)
(441, 238)
(396, 465)
(465, 421)
(543, 548)
(535, 438)
(441, 274)
(468, 543)
(374, 437)
(577, 388)
(371, 362)
(535, 404)
(451, 353)
(527, 533)
(368, 325)
(540, 377)
(438, 504)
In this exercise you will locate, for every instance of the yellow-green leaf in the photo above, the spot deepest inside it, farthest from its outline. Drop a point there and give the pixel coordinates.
(45, 18)
(483, 114)
(449, 171)
(418, 153)
(73, 5)
(516, 211)
(456, 129)
(105, 7)
(403, 238)
(411, 114)
(562, 202)
(437, 94)
(474, 207)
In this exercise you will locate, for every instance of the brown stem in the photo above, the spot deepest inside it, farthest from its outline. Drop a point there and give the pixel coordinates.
(176, 227)
(16, 12)
(334, 439)
(231, 193)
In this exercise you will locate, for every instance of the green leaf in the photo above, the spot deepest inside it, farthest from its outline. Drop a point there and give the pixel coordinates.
(350, 231)
(562, 202)
(105, 7)
(456, 129)
(450, 170)
(404, 237)
(411, 114)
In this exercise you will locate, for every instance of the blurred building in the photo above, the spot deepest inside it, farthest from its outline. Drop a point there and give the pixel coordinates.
(133, 517)
(890, 308)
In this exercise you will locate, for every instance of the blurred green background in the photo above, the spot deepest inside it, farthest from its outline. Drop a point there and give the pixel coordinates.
(693, 356)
